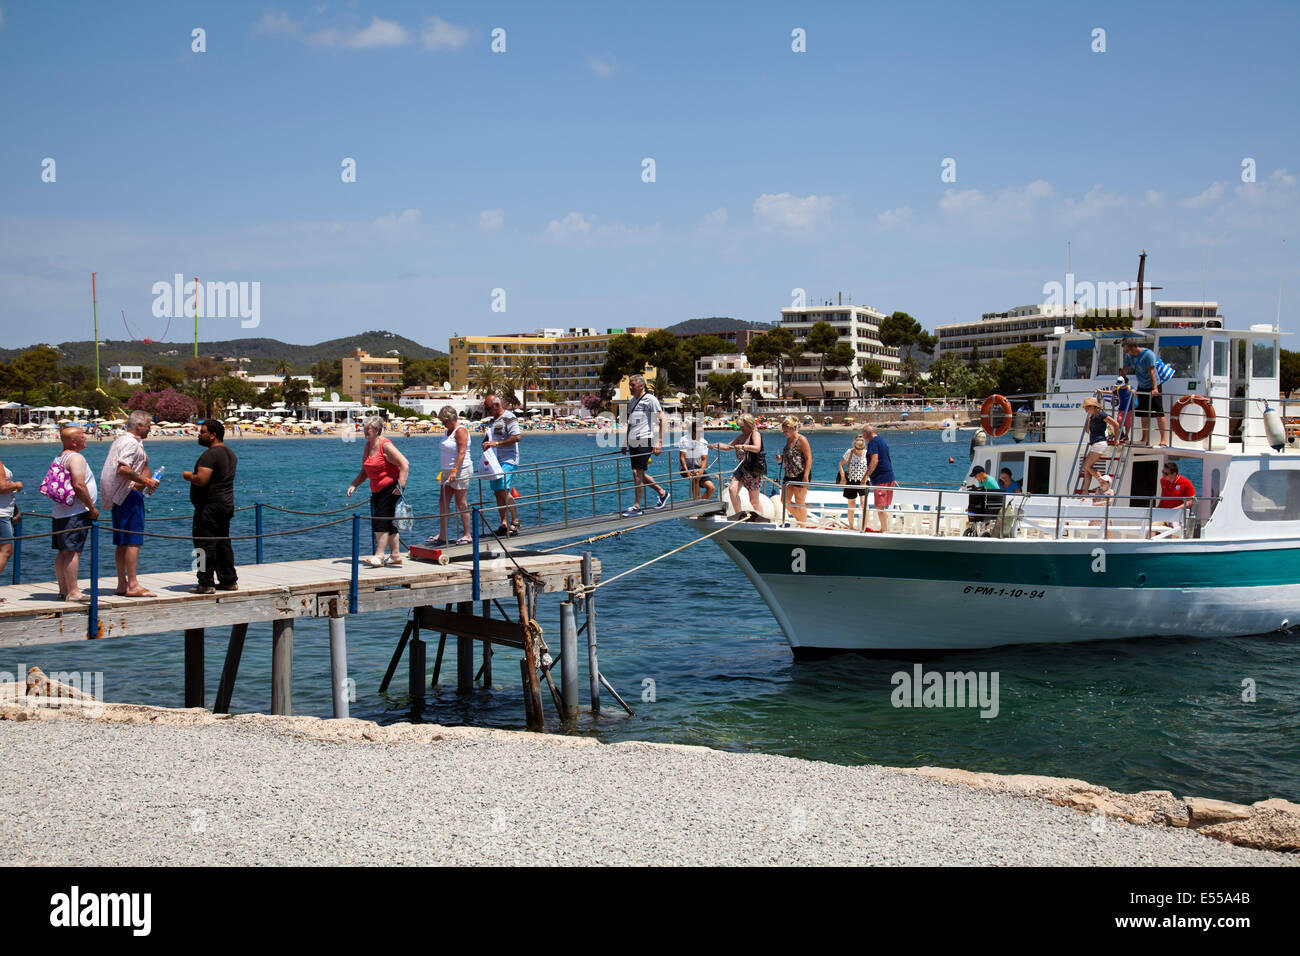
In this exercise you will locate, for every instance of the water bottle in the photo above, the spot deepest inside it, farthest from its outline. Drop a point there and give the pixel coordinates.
(157, 476)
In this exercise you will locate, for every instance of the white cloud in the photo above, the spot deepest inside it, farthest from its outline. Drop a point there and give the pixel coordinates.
(491, 219)
(276, 23)
(1212, 194)
(782, 212)
(1278, 189)
(716, 218)
(570, 227)
(380, 33)
(397, 226)
(438, 34)
(1093, 204)
(893, 217)
(1153, 198)
(602, 65)
(1015, 204)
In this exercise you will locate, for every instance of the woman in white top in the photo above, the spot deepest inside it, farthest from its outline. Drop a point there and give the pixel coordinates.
(852, 474)
(8, 514)
(457, 469)
(694, 459)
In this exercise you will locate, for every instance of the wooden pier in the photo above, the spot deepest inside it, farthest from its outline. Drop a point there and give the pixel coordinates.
(283, 592)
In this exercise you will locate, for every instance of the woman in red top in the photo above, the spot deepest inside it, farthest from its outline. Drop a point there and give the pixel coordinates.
(387, 469)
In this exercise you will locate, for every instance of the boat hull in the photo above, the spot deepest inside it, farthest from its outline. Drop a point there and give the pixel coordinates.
(833, 592)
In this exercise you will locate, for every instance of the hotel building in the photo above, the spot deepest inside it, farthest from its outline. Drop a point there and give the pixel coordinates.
(370, 379)
(859, 326)
(570, 360)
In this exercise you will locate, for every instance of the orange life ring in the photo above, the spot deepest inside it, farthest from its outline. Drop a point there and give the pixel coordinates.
(986, 416)
(1206, 407)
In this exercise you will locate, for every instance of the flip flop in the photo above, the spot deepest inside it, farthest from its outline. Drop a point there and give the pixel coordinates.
(465, 540)
(437, 542)
(502, 531)
(372, 563)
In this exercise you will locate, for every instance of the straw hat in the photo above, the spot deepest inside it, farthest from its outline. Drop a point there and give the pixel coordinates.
(1091, 402)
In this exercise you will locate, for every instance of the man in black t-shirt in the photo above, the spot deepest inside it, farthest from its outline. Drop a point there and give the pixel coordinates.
(212, 492)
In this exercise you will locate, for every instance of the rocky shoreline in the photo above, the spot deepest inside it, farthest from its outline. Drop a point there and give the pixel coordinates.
(1269, 825)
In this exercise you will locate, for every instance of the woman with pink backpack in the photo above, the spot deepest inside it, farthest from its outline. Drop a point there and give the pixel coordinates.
(70, 484)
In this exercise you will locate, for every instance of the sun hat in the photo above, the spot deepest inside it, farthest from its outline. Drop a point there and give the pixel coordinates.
(1091, 402)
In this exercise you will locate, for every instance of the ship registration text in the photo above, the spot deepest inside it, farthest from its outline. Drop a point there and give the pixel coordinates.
(993, 591)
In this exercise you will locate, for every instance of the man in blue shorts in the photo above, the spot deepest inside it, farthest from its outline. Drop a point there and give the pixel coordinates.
(1150, 403)
(125, 474)
(502, 436)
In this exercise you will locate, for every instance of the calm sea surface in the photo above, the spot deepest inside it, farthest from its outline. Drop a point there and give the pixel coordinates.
(1131, 715)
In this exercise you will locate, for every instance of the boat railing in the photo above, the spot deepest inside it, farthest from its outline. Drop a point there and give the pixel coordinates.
(918, 509)
(1243, 416)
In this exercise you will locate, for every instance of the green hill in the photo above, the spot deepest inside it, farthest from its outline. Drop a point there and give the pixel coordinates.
(716, 323)
(261, 353)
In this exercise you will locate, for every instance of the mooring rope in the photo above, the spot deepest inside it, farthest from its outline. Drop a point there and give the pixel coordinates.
(588, 588)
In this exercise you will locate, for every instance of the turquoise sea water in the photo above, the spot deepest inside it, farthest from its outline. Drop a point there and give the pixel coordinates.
(1132, 715)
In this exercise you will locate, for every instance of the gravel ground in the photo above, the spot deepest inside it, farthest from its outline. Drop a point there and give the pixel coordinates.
(89, 793)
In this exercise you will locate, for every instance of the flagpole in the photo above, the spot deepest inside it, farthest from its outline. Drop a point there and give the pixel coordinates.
(94, 305)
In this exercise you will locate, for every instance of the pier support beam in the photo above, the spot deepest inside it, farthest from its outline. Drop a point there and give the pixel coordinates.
(589, 603)
(415, 662)
(569, 661)
(282, 666)
(487, 650)
(194, 667)
(465, 654)
(338, 660)
(234, 651)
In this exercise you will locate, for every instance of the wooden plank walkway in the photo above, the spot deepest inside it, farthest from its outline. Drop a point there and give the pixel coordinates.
(33, 614)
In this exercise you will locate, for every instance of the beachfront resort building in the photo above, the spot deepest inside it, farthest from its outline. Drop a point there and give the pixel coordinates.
(130, 374)
(996, 332)
(739, 338)
(858, 326)
(369, 378)
(570, 359)
(762, 378)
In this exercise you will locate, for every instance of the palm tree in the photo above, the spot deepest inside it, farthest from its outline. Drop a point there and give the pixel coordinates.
(283, 368)
(488, 380)
(526, 374)
(700, 399)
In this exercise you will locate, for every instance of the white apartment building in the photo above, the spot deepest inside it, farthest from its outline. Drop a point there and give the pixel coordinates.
(996, 332)
(761, 378)
(131, 374)
(859, 326)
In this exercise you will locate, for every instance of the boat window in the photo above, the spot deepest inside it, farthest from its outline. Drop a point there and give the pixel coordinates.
(1216, 484)
(1183, 353)
(1038, 475)
(1109, 358)
(1262, 359)
(1078, 359)
(1272, 496)
(1220, 360)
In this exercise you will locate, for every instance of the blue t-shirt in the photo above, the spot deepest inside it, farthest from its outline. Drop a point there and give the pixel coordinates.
(884, 468)
(1123, 399)
(1142, 366)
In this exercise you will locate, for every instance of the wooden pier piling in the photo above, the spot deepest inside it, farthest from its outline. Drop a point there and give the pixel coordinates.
(568, 661)
(589, 606)
(194, 667)
(338, 661)
(282, 666)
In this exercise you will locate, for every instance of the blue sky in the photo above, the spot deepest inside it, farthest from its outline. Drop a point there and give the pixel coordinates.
(522, 170)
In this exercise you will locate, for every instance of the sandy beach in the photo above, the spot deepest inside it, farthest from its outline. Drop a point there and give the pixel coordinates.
(154, 786)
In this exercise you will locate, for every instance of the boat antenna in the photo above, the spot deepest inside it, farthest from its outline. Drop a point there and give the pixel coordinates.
(1277, 323)
(1205, 280)
(94, 306)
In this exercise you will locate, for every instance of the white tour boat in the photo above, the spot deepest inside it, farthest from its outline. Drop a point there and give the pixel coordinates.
(959, 569)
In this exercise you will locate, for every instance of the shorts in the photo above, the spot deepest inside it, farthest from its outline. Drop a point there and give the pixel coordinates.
(459, 484)
(6, 531)
(128, 521)
(641, 456)
(70, 532)
(852, 491)
(748, 480)
(383, 505)
(884, 493)
(1150, 405)
(1099, 447)
(507, 480)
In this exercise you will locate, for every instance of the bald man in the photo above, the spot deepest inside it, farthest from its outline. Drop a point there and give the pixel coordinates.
(72, 521)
